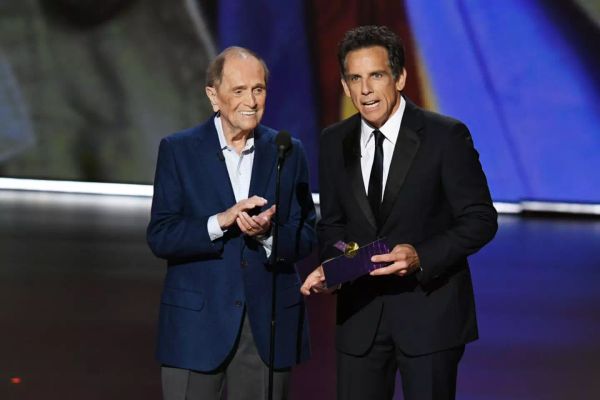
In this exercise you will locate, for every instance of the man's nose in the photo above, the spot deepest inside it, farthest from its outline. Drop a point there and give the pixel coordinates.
(365, 87)
(251, 99)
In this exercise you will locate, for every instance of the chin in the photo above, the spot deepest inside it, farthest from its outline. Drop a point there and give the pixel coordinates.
(250, 127)
(376, 122)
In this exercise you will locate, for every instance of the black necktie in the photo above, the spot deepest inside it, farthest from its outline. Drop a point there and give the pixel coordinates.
(376, 178)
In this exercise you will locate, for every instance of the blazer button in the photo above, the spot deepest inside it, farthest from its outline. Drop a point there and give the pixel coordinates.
(238, 303)
(244, 263)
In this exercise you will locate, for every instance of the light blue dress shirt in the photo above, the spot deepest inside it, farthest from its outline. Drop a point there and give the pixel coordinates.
(239, 168)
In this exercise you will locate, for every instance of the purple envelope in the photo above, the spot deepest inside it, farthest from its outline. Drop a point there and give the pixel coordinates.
(346, 268)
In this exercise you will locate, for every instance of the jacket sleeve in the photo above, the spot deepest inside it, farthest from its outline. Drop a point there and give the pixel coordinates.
(172, 232)
(297, 236)
(474, 217)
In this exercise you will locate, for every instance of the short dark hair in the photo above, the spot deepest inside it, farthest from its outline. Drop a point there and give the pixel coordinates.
(214, 72)
(369, 36)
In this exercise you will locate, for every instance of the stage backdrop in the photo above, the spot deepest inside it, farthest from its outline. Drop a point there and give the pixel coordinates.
(88, 88)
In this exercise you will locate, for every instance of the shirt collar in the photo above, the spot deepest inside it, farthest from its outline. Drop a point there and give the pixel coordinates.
(223, 142)
(390, 129)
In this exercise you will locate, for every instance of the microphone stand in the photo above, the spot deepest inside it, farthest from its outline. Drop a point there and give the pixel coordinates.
(274, 260)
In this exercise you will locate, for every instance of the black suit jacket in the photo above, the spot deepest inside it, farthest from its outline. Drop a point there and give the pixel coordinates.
(437, 199)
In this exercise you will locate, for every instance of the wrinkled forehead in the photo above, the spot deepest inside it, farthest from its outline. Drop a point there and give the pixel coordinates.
(241, 66)
(365, 59)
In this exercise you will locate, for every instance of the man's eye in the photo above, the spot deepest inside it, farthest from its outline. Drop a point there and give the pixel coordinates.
(354, 78)
(258, 90)
(378, 75)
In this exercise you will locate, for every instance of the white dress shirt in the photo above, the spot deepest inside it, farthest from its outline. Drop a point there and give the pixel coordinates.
(390, 130)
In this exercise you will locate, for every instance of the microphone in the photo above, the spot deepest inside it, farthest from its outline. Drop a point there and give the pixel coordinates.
(283, 141)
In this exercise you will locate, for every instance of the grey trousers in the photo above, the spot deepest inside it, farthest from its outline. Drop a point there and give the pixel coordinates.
(244, 377)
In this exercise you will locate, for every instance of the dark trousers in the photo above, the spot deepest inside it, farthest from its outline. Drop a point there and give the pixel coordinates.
(372, 376)
(244, 377)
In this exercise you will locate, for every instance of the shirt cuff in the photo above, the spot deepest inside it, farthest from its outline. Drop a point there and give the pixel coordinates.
(214, 229)
(267, 243)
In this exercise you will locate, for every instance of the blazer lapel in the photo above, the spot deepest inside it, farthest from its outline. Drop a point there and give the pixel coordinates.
(404, 153)
(212, 162)
(265, 158)
(352, 163)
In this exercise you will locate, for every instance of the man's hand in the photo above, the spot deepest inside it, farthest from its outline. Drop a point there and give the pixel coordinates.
(227, 218)
(255, 225)
(315, 282)
(404, 258)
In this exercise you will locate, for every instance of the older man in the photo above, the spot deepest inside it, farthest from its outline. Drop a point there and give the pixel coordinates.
(211, 220)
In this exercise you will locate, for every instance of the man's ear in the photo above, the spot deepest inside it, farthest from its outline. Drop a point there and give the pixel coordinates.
(211, 93)
(345, 86)
(401, 81)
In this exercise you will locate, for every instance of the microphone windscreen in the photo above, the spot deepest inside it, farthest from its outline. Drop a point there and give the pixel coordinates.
(283, 140)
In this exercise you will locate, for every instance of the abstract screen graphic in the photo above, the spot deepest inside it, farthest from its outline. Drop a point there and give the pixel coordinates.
(86, 93)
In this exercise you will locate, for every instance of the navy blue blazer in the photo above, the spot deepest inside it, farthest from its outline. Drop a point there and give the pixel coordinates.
(209, 283)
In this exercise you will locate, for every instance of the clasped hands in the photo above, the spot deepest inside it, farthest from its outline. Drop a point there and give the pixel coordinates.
(403, 258)
(255, 225)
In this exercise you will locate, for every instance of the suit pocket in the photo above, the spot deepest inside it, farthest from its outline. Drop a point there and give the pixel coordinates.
(182, 298)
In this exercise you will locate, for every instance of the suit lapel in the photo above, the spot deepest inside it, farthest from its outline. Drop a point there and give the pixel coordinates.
(212, 162)
(404, 153)
(265, 158)
(352, 156)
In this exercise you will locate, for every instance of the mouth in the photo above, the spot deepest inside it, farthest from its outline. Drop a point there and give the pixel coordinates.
(370, 104)
(248, 113)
